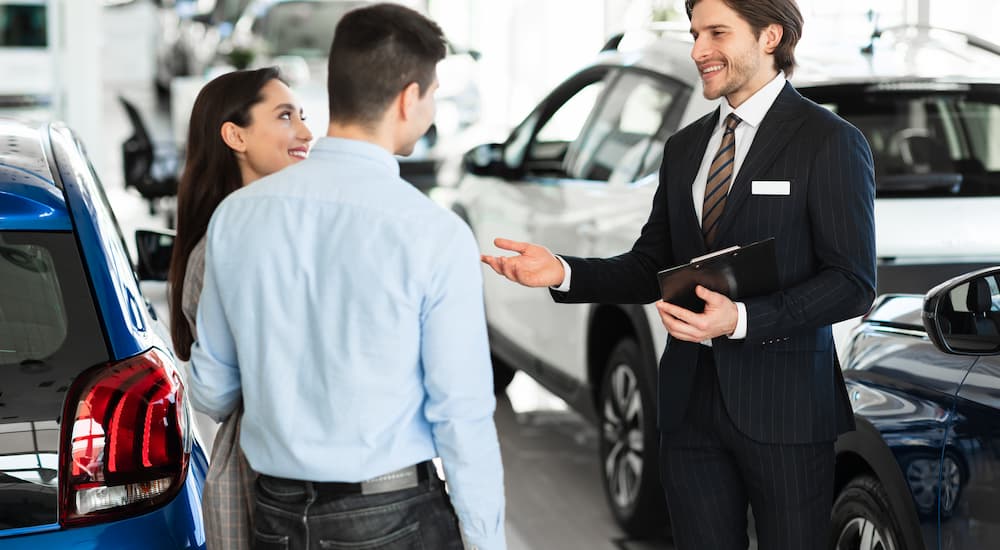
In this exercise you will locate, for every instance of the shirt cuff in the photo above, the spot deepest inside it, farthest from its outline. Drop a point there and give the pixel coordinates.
(741, 322)
(564, 287)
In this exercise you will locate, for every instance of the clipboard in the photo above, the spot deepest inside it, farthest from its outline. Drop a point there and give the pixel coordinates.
(737, 272)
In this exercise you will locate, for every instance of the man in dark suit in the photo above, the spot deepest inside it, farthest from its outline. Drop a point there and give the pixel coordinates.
(750, 394)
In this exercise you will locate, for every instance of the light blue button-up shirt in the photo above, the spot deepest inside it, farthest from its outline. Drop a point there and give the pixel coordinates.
(346, 309)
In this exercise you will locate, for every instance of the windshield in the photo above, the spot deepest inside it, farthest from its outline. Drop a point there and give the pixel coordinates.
(928, 139)
(302, 28)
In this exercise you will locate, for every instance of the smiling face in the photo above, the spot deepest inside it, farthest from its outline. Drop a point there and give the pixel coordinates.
(732, 61)
(276, 136)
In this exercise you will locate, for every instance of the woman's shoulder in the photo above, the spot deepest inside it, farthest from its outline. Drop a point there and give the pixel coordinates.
(196, 262)
(194, 278)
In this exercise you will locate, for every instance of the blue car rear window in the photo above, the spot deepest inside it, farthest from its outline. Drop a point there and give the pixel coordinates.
(49, 333)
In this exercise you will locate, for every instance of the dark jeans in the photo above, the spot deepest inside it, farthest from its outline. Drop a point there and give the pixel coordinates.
(300, 515)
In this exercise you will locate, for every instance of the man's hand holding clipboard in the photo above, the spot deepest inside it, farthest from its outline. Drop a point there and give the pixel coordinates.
(699, 297)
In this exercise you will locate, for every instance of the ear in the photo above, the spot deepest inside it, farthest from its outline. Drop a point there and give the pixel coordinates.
(234, 136)
(408, 98)
(771, 35)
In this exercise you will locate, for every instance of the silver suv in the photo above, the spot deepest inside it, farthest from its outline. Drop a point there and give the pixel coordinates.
(579, 173)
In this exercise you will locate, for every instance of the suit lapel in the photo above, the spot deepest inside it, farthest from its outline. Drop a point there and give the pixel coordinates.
(775, 132)
(688, 170)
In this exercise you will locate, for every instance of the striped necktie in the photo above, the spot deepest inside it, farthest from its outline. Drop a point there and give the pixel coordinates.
(717, 184)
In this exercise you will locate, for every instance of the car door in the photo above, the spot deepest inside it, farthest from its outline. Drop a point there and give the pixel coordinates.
(904, 387)
(496, 206)
(621, 145)
(969, 501)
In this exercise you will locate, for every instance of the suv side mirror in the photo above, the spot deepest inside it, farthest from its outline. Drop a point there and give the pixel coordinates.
(486, 160)
(962, 315)
(155, 249)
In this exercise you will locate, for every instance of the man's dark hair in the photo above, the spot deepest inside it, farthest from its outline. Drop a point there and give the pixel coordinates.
(378, 51)
(761, 13)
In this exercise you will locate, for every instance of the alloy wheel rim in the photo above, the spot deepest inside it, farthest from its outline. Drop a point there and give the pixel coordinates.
(623, 433)
(863, 534)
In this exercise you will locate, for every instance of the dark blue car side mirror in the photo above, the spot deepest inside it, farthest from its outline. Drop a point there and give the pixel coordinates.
(962, 315)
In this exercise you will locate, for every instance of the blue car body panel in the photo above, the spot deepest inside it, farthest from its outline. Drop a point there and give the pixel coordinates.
(176, 525)
(62, 193)
(911, 395)
(112, 278)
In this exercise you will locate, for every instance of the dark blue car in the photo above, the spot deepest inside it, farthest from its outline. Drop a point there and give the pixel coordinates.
(923, 469)
(96, 449)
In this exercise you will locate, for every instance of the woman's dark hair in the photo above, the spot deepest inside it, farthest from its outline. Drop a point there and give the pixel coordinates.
(210, 174)
(761, 13)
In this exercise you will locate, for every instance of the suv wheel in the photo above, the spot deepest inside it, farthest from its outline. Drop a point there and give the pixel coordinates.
(629, 448)
(862, 519)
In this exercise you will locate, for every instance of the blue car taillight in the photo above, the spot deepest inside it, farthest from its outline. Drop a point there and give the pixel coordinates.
(123, 441)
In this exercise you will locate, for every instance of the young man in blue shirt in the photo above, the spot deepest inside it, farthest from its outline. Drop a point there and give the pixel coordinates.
(345, 308)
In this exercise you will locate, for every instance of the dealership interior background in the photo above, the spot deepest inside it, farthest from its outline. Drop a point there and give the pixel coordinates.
(97, 52)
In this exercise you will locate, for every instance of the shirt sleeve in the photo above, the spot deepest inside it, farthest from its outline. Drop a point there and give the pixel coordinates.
(564, 286)
(740, 332)
(214, 387)
(458, 381)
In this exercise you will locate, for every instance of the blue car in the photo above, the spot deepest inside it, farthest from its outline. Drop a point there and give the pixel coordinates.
(96, 449)
(923, 469)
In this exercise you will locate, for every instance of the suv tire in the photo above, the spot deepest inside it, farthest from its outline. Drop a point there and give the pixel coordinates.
(862, 518)
(628, 444)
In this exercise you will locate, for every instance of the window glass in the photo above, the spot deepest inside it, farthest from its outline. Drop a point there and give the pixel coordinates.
(622, 135)
(926, 142)
(566, 123)
(983, 124)
(23, 25)
(49, 333)
(32, 317)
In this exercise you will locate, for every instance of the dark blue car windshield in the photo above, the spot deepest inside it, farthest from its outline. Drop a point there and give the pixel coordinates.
(49, 333)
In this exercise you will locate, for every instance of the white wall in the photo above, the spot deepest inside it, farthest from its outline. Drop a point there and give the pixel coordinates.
(79, 72)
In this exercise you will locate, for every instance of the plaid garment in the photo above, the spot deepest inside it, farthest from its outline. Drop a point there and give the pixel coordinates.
(228, 497)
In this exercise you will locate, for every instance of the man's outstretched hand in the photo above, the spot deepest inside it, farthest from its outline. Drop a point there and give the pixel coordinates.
(533, 266)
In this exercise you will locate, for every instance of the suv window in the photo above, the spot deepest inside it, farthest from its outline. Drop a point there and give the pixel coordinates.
(622, 134)
(567, 122)
(562, 120)
(927, 139)
(49, 333)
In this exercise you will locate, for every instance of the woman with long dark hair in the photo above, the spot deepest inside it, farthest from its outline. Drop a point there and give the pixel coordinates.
(244, 125)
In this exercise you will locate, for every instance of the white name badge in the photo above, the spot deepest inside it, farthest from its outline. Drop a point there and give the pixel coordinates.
(770, 187)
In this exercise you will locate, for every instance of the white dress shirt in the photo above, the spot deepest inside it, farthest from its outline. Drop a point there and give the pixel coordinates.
(751, 114)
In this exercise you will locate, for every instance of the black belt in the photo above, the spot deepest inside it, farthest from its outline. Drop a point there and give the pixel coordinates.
(404, 478)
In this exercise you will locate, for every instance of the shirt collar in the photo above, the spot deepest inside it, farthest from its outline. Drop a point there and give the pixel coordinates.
(752, 110)
(356, 148)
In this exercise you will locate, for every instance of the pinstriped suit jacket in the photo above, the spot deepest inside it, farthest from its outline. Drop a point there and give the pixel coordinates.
(782, 383)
